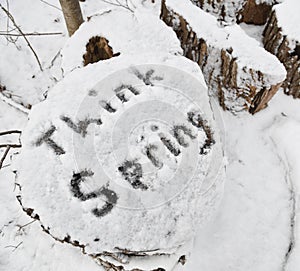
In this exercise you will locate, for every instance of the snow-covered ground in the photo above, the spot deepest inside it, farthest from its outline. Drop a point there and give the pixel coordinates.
(256, 226)
(253, 229)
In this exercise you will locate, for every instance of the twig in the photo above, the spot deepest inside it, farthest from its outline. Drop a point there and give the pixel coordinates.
(10, 132)
(21, 32)
(14, 104)
(15, 247)
(4, 156)
(8, 31)
(27, 224)
(30, 34)
(98, 14)
(10, 94)
(117, 3)
(7, 20)
(54, 58)
(10, 145)
(17, 185)
(45, 2)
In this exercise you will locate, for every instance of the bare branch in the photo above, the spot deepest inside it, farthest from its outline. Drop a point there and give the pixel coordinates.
(10, 132)
(10, 145)
(45, 2)
(4, 156)
(30, 34)
(7, 20)
(15, 247)
(117, 3)
(17, 185)
(14, 104)
(54, 58)
(21, 32)
(27, 224)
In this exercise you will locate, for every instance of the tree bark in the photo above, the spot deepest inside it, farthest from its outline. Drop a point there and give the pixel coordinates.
(229, 12)
(72, 14)
(276, 42)
(255, 13)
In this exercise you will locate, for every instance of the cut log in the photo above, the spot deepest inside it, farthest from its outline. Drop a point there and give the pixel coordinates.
(256, 12)
(283, 40)
(97, 49)
(247, 11)
(237, 70)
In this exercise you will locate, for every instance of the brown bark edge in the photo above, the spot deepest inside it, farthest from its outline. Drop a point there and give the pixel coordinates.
(278, 44)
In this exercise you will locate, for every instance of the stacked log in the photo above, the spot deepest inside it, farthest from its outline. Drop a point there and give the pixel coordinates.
(256, 12)
(237, 70)
(287, 49)
(247, 11)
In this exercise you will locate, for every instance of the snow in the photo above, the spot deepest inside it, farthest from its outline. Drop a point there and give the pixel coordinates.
(252, 228)
(250, 231)
(18, 59)
(231, 8)
(255, 32)
(288, 19)
(270, 2)
(285, 135)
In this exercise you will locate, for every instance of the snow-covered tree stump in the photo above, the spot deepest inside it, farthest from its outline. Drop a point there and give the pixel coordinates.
(124, 159)
(232, 11)
(100, 38)
(282, 38)
(241, 73)
(130, 166)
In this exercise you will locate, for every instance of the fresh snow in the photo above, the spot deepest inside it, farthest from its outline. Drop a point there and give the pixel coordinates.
(288, 19)
(252, 228)
(231, 8)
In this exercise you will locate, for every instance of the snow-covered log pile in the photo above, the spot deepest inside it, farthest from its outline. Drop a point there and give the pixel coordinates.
(124, 160)
(282, 38)
(231, 11)
(236, 68)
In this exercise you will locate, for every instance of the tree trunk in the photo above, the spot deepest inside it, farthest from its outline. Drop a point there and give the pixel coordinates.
(72, 14)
